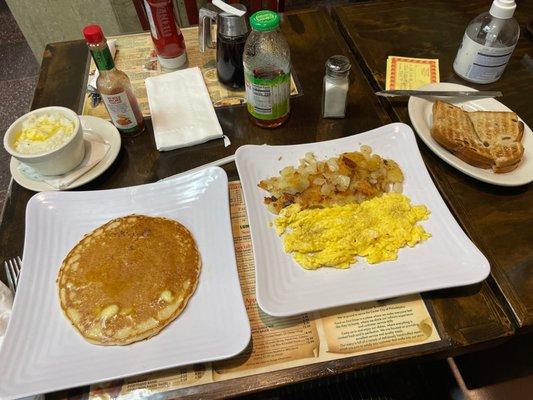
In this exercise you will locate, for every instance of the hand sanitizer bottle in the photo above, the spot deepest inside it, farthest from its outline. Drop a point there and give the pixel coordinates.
(488, 43)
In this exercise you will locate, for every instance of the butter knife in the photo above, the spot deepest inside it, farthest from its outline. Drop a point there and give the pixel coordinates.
(395, 93)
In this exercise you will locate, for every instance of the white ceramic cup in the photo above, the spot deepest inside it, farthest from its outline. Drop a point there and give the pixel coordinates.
(54, 162)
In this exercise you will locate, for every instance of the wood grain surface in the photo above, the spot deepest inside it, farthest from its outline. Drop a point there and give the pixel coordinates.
(498, 219)
(467, 318)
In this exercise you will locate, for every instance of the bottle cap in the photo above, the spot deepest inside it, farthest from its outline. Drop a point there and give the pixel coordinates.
(264, 20)
(93, 34)
(503, 9)
(338, 65)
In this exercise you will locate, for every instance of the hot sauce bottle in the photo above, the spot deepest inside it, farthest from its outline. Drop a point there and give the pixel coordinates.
(114, 85)
(166, 35)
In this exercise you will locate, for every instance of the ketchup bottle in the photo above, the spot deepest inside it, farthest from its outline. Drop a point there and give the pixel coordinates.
(166, 34)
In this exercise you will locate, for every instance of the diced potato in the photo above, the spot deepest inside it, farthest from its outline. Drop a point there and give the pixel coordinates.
(352, 177)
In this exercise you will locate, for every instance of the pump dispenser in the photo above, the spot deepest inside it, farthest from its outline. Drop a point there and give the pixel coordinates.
(488, 44)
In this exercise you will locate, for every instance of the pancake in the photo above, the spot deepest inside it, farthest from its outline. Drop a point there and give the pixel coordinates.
(128, 279)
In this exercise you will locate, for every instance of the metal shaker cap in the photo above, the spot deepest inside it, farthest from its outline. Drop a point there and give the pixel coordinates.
(338, 66)
(231, 25)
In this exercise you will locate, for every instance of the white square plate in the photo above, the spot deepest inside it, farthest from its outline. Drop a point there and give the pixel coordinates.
(283, 288)
(421, 114)
(42, 352)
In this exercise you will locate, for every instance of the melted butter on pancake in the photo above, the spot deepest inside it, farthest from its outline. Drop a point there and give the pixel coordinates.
(128, 279)
(109, 311)
(166, 296)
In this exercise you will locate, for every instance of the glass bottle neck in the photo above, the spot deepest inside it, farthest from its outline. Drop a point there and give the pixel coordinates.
(102, 58)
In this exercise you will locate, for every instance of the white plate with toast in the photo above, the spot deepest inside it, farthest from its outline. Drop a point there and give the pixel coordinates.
(421, 114)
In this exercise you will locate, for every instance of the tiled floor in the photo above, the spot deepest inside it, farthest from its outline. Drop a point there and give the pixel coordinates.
(18, 75)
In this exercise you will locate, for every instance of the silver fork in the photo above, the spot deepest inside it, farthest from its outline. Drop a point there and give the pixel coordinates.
(13, 267)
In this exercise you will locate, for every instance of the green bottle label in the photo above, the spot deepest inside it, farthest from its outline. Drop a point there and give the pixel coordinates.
(103, 59)
(267, 94)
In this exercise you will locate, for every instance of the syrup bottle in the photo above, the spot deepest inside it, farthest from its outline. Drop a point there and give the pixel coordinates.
(114, 85)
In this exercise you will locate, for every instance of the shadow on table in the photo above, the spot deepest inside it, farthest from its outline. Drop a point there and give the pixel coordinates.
(402, 381)
(504, 371)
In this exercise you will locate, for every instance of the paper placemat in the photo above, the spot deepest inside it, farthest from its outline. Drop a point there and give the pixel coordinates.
(280, 343)
(136, 57)
(410, 73)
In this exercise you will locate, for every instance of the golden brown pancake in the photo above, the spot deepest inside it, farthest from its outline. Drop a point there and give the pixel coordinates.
(128, 279)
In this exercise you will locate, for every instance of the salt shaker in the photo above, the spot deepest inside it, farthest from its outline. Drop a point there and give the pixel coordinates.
(335, 87)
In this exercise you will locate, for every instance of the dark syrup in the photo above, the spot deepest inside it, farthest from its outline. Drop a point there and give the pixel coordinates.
(230, 69)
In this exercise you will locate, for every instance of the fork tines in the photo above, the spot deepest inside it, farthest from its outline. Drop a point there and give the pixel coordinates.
(12, 267)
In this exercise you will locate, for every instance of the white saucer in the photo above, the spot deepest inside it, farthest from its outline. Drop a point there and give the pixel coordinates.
(92, 127)
(420, 112)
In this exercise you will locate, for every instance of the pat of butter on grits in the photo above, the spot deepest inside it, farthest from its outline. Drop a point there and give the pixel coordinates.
(334, 236)
(43, 133)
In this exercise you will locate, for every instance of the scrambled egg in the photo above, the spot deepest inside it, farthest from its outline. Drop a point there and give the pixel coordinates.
(334, 236)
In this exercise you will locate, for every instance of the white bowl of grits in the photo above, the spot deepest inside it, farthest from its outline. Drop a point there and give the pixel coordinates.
(49, 140)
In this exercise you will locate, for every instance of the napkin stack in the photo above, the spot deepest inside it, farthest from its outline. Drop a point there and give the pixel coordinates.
(6, 302)
(181, 109)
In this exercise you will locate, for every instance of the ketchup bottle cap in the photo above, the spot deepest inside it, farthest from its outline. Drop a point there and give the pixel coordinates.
(93, 34)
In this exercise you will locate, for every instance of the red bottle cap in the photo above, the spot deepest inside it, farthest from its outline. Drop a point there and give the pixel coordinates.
(93, 34)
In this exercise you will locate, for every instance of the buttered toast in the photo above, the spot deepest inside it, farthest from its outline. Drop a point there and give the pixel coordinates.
(483, 139)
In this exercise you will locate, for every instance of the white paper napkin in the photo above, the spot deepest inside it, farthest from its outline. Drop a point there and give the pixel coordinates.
(95, 151)
(6, 302)
(181, 109)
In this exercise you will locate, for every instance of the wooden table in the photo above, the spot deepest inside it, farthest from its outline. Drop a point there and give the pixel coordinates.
(467, 318)
(499, 220)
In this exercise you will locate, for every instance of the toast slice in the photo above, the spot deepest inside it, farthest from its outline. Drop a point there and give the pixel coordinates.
(484, 139)
(503, 132)
(454, 131)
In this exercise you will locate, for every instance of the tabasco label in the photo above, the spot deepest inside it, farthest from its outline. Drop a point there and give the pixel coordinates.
(121, 112)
